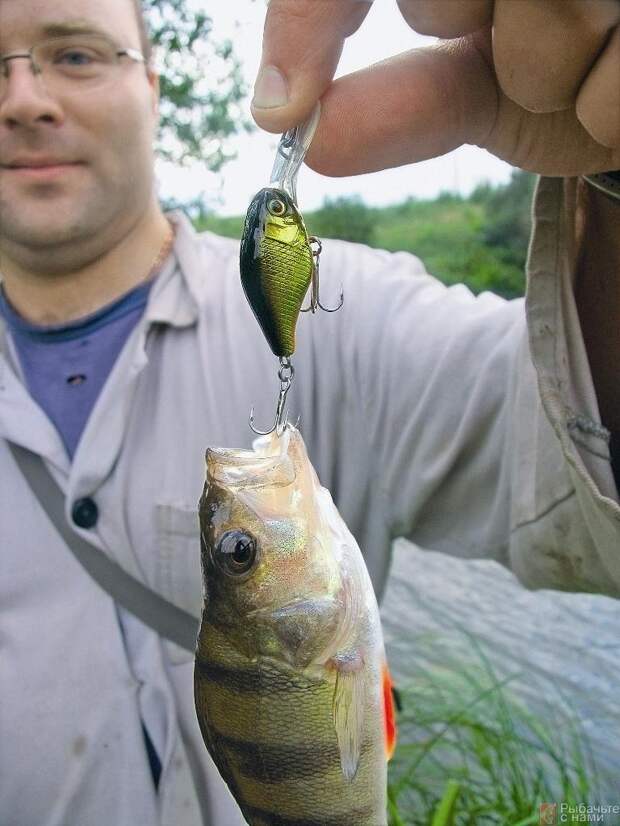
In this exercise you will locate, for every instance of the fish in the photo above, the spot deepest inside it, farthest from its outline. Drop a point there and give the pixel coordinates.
(292, 690)
(276, 266)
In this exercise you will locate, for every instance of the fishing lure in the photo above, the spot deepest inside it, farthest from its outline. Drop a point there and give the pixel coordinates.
(279, 261)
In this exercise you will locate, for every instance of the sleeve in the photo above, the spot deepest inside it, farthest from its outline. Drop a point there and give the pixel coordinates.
(429, 368)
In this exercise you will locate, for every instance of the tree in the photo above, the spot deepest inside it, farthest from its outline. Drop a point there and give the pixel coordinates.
(347, 217)
(507, 210)
(201, 85)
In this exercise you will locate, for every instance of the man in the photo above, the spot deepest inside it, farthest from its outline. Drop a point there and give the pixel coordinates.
(122, 360)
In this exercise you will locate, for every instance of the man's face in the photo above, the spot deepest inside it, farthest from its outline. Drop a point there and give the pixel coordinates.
(104, 136)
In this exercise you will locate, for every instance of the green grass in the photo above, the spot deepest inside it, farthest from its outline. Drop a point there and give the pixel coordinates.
(470, 754)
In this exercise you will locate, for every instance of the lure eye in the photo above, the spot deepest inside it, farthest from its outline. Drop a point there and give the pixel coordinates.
(276, 207)
(236, 553)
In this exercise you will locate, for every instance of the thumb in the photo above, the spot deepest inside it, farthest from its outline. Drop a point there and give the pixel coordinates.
(302, 44)
(417, 105)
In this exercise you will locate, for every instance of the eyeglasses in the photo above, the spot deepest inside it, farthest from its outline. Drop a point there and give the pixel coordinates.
(71, 63)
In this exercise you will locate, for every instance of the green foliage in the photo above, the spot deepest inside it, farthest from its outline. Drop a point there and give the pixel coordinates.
(508, 214)
(480, 241)
(444, 815)
(470, 754)
(201, 85)
(347, 218)
(230, 227)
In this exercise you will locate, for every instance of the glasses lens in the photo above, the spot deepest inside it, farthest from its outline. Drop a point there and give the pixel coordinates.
(75, 61)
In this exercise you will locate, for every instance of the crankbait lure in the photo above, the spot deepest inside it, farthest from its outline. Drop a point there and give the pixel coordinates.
(279, 261)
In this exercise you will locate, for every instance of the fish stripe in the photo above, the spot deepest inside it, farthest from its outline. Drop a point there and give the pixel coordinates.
(354, 817)
(256, 681)
(274, 763)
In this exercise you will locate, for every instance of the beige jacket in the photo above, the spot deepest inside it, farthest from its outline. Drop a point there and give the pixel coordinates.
(425, 415)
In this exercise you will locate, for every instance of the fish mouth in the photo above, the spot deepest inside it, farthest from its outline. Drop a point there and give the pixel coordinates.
(267, 464)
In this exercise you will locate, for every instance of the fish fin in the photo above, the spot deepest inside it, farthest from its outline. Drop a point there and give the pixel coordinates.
(348, 707)
(389, 715)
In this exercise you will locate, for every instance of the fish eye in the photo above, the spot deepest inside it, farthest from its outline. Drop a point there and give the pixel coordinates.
(236, 553)
(276, 207)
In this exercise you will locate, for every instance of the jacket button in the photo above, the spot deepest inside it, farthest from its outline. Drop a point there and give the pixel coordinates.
(85, 513)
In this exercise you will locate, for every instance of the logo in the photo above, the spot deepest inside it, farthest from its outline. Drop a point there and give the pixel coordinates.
(548, 814)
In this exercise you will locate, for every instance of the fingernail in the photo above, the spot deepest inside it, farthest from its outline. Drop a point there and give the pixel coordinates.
(270, 90)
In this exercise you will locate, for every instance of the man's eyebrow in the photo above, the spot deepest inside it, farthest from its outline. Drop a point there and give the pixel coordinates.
(77, 26)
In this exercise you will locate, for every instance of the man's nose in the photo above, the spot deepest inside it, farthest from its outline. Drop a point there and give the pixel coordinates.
(23, 98)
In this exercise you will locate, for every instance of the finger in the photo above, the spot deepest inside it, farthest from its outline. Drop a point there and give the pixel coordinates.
(552, 143)
(415, 106)
(543, 49)
(302, 44)
(598, 102)
(548, 143)
(448, 18)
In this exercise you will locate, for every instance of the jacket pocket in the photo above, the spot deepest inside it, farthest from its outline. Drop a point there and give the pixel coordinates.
(179, 576)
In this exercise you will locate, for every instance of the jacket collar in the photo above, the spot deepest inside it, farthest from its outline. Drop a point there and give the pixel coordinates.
(173, 300)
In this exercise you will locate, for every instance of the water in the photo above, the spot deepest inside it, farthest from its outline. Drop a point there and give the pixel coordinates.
(559, 641)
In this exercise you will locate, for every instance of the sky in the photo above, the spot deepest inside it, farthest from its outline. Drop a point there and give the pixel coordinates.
(383, 33)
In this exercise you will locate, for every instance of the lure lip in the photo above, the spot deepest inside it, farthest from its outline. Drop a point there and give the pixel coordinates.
(292, 150)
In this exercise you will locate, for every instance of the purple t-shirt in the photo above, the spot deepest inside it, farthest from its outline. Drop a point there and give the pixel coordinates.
(65, 366)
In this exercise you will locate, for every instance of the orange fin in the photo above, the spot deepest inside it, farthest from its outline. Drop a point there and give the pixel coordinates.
(389, 715)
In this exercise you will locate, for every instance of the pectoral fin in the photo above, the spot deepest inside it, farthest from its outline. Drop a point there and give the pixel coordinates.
(349, 704)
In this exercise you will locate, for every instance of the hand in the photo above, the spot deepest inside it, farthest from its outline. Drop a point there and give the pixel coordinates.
(535, 82)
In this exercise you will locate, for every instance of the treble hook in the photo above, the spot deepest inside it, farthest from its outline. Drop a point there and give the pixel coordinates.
(285, 374)
(315, 301)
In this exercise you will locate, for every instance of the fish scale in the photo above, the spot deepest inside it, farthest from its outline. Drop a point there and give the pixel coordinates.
(284, 293)
(280, 261)
(284, 777)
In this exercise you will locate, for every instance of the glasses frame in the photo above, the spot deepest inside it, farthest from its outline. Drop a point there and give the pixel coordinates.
(132, 54)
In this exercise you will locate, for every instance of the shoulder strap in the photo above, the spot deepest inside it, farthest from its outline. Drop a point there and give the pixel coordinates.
(155, 611)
